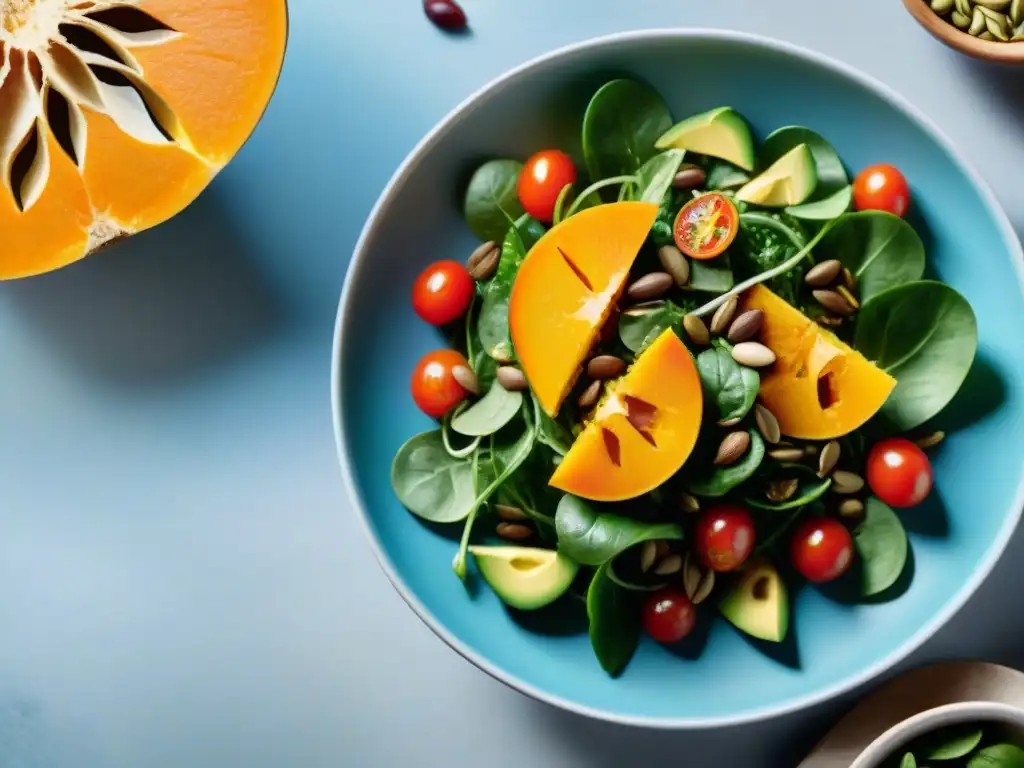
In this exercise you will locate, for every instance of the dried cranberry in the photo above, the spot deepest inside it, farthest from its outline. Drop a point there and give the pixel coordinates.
(446, 14)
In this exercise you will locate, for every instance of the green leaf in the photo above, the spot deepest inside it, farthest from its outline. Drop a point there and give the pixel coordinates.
(731, 386)
(998, 756)
(830, 207)
(881, 250)
(925, 335)
(492, 200)
(831, 174)
(718, 481)
(908, 761)
(492, 322)
(655, 177)
(591, 538)
(767, 240)
(490, 413)
(429, 482)
(639, 326)
(953, 743)
(711, 275)
(881, 545)
(724, 175)
(810, 489)
(621, 124)
(614, 617)
(551, 433)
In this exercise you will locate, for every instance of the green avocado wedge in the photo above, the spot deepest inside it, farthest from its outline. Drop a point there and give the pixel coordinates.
(790, 180)
(526, 578)
(758, 605)
(721, 133)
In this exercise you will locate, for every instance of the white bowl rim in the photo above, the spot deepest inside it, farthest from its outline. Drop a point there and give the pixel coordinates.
(359, 262)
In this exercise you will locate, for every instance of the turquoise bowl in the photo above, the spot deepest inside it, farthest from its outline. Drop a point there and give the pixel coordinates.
(956, 538)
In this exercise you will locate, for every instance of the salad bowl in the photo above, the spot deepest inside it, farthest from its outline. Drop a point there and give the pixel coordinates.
(725, 677)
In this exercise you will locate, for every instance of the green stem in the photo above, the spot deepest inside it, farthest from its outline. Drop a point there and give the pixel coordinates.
(774, 272)
(596, 186)
(563, 196)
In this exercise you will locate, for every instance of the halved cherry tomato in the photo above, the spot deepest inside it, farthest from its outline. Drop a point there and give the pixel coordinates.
(725, 537)
(899, 473)
(434, 388)
(706, 226)
(881, 187)
(442, 293)
(542, 178)
(669, 615)
(821, 549)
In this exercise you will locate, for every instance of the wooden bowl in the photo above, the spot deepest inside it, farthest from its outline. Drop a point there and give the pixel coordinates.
(942, 29)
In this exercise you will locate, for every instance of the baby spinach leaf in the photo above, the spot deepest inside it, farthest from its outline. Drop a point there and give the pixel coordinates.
(731, 386)
(880, 249)
(429, 482)
(810, 488)
(621, 124)
(550, 432)
(924, 334)
(490, 413)
(591, 538)
(998, 756)
(661, 229)
(767, 240)
(711, 275)
(656, 175)
(827, 208)
(640, 326)
(724, 175)
(831, 174)
(881, 544)
(718, 481)
(492, 200)
(614, 617)
(908, 761)
(953, 742)
(492, 322)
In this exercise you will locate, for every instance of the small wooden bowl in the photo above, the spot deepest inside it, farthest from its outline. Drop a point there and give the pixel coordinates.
(940, 28)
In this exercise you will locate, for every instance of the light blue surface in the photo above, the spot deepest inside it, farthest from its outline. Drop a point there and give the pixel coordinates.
(182, 583)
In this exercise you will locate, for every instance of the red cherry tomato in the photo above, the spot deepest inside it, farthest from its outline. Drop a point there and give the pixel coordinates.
(434, 388)
(899, 473)
(725, 537)
(881, 187)
(706, 226)
(821, 549)
(442, 293)
(542, 178)
(669, 615)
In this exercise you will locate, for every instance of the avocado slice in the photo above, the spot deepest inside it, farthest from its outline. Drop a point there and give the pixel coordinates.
(758, 604)
(790, 180)
(721, 133)
(525, 577)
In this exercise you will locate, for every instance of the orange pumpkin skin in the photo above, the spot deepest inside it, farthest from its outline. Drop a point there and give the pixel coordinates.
(819, 388)
(665, 377)
(566, 288)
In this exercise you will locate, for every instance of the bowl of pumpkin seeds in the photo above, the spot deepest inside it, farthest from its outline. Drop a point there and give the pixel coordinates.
(985, 29)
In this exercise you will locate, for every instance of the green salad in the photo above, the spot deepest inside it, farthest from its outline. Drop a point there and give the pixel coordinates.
(680, 373)
(971, 745)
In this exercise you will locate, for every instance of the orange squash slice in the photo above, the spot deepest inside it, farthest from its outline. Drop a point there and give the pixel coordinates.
(819, 388)
(642, 432)
(116, 114)
(566, 288)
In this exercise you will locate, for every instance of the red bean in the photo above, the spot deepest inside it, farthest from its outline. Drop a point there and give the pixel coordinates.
(445, 14)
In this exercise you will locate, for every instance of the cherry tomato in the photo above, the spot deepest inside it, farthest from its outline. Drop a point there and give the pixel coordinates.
(434, 388)
(542, 178)
(706, 226)
(821, 549)
(442, 293)
(881, 187)
(725, 537)
(669, 615)
(899, 473)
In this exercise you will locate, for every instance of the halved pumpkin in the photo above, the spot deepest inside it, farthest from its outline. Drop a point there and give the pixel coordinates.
(642, 432)
(116, 114)
(819, 388)
(566, 288)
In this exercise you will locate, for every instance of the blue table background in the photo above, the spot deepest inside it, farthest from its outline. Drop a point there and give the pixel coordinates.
(182, 581)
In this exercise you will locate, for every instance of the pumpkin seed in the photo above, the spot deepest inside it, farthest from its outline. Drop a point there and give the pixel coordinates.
(964, 7)
(767, 424)
(605, 367)
(590, 395)
(673, 262)
(696, 330)
(689, 503)
(960, 20)
(827, 321)
(1017, 12)
(1017, 37)
(833, 302)
(689, 177)
(977, 22)
(466, 379)
(843, 291)
(698, 581)
(639, 310)
(661, 548)
(732, 448)
(650, 286)
(851, 508)
(781, 490)
(724, 314)
(787, 455)
(483, 262)
(993, 5)
(824, 273)
(986, 35)
(746, 326)
(510, 514)
(849, 280)
(730, 422)
(999, 27)
(828, 458)
(942, 7)
(647, 554)
(930, 441)
(845, 483)
(670, 565)
(514, 531)
(511, 378)
(753, 354)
